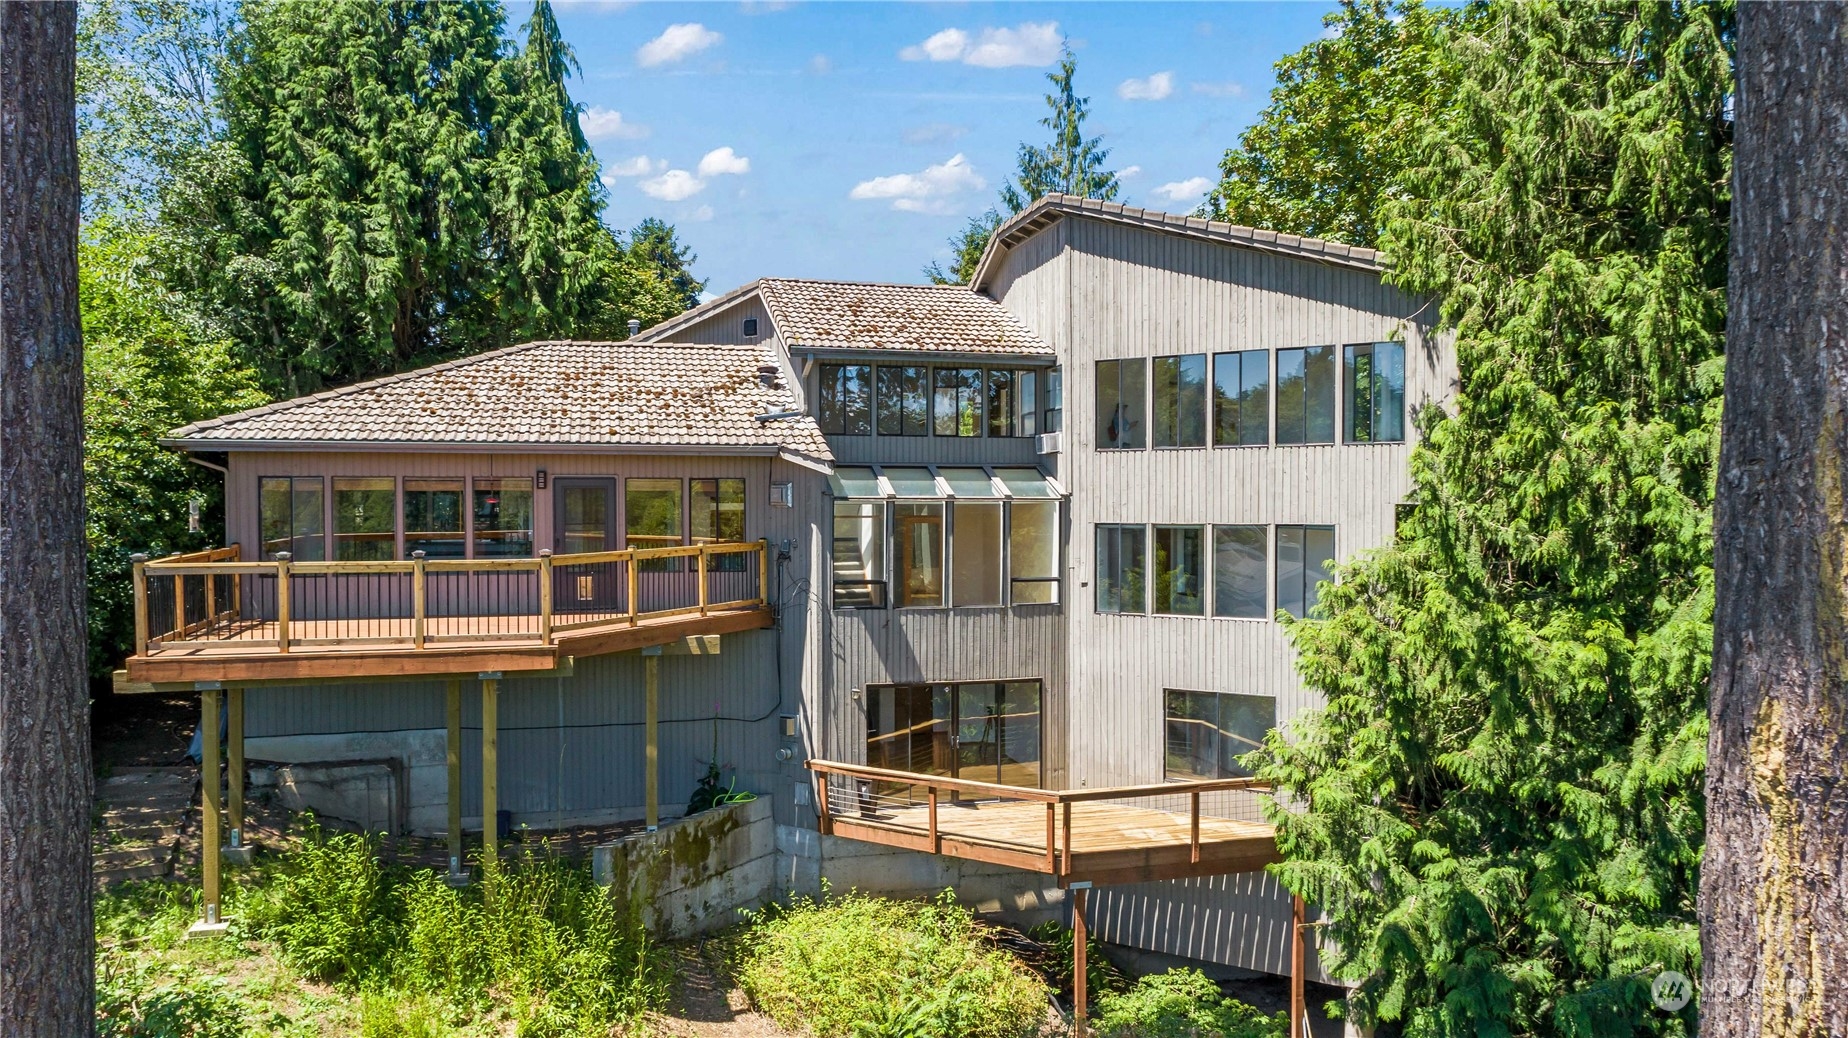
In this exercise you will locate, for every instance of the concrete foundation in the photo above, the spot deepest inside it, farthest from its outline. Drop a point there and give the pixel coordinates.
(805, 858)
(363, 795)
(698, 873)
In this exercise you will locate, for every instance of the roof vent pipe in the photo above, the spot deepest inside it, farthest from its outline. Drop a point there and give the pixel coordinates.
(635, 327)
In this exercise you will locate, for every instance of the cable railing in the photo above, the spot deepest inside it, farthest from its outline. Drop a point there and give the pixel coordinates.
(215, 599)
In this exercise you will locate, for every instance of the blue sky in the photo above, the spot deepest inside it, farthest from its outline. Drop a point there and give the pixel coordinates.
(850, 140)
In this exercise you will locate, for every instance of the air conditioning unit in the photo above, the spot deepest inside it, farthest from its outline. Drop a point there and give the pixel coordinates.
(1051, 443)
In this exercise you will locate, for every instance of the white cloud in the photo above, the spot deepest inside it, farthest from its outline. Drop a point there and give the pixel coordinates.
(820, 65)
(673, 186)
(926, 191)
(935, 133)
(1129, 171)
(1029, 43)
(1154, 88)
(723, 161)
(606, 123)
(639, 166)
(1184, 190)
(701, 215)
(1226, 89)
(682, 40)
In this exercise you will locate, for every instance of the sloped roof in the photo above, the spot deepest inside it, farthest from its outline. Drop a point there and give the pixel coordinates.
(583, 394)
(1051, 208)
(858, 315)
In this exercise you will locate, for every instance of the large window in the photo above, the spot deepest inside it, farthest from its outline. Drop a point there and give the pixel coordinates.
(503, 518)
(957, 410)
(1304, 555)
(1121, 569)
(975, 556)
(433, 518)
(918, 549)
(1122, 401)
(1306, 395)
(1033, 552)
(1180, 570)
(1207, 732)
(365, 518)
(1013, 402)
(1375, 376)
(1240, 556)
(715, 515)
(986, 731)
(651, 518)
(847, 399)
(1180, 401)
(859, 555)
(904, 401)
(292, 517)
(1241, 398)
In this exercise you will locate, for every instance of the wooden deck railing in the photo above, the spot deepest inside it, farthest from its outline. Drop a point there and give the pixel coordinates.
(1057, 845)
(214, 598)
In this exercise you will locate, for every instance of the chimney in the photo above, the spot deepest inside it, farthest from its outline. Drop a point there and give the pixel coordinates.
(635, 327)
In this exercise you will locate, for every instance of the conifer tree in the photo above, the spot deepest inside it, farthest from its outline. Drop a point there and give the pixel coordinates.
(653, 244)
(1500, 809)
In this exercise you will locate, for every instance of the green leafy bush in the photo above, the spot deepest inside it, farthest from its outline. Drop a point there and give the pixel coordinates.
(864, 967)
(1182, 1003)
(330, 909)
(1101, 975)
(132, 1004)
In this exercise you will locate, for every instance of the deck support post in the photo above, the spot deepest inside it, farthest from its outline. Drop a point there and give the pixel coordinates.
(209, 700)
(651, 779)
(1298, 965)
(453, 752)
(1080, 894)
(490, 767)
(234, 749)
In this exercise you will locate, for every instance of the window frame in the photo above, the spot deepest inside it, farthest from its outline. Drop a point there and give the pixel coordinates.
(1351, 394)
(1223, 703)
(1139, 420)
(337, 539)
(532, 519)
(976, 393)
(1117, 530)
(882, 599)
(1308, 422)
(831, 394)
(1266, 583)
(404, 499)
(1173, 381)
(1307, 589)
(879, 399)
(1215, 422)
(1202, 593)
(295, 538)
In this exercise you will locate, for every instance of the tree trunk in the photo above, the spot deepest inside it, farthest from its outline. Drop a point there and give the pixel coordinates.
(1774, 885)
(45, 928)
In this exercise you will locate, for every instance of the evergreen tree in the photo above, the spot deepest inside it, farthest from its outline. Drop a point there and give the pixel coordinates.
(1070, 164)
(652, 244)
(1500, 808)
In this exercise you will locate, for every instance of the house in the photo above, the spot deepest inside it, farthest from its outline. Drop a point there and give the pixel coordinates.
(1029, 533)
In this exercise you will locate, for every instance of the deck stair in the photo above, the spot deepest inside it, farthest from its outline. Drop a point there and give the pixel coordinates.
(139, 815)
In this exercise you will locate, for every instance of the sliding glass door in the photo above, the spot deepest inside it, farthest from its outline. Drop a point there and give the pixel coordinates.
(984, 731)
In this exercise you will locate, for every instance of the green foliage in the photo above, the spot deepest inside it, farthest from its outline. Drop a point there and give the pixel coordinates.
(653, 244)
(331, 909)
(131, 1004)
(1101, 975)
(1502, 801)
(863, 966)
(1182, 1003)
(1342, 123)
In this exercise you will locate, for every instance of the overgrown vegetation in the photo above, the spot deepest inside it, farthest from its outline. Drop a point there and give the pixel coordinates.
(1182, 1003)
(864, 967)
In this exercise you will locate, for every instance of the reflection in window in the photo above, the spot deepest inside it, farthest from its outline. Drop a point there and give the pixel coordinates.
(1013, 403)
(291, 517)
(1122, 394)
(1033, 552)
(975, 575)
(904, 408)
(958, 407)
(1241, 398)
(859, 555)
(1207, 732)
(1180, 401)
(1375, 374)
(1304, 556)
(1055, 400)
(917, 535)
(1180, 570)
(365, 518)
(652, 518)
(716, 516)
(1120, 569)
(433, 518)
(503, 518)
(846, 399)
(1306, 395)
(1239, 570)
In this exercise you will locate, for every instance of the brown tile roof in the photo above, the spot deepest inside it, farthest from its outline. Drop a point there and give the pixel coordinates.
(596, 394)
(857, 315)
(1049, 209)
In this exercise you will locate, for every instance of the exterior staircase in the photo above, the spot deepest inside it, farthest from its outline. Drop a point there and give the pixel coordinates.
(139, 815)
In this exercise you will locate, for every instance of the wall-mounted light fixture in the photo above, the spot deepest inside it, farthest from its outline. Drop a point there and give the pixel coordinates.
(541, 480)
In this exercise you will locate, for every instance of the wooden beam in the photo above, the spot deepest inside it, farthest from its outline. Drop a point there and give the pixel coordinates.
(566, 668)
(625, 639)
(210, 811)
(651, 779)
(1298, 965)
(234, 745)
(453, 757)
(303, 665)
(1079, 939)
(490, 769)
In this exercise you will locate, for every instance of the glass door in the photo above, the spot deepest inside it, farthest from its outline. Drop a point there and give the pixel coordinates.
(985, 731)
(585, 511)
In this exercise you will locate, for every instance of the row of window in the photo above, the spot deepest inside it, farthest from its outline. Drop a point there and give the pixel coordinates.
(1174, 580)
(913, 554)
(1182, 409)
(384, 517)
(915, 400)
(1207, 732)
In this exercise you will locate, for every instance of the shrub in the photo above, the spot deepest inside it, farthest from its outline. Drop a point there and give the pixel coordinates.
(1182, 1003)
(1101, 975)
(330, 909)
(129, 1004)
(863, 967)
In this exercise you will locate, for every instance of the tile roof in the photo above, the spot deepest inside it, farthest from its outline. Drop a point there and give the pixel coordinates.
(566, 393)
(857, 315)
(1049, 209)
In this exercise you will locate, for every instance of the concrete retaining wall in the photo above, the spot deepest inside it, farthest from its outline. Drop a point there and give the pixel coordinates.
(805, 857)
(697, 873)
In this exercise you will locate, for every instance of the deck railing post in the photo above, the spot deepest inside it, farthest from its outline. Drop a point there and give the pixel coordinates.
(702, 581)
(211, 600)
(634, 597)
(140, 562)
(1052, 838)
(237, 583)
(282, 601)
(936, 845)
(1193, 822)
(179, 602)
(418, 600)
(821, 803)
(1067, 861)
(545, 596)
(763, 573)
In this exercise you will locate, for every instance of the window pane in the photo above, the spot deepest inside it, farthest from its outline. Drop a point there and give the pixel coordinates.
(1389, 391)
(718, 512)
(917, 536)
(859, 554)
(1254, 398)
(1120, 569)
(1055, 400)
(1244, 721)
(365, 519)
(1228, 375)
(1017, 712)
(1003, 404)
(1292, 426)
(1166, 417)
(1026, 397)
(1192, 736)
(902, 401)
(503, 518)
(958, 408)
(1304, 555)
(1180, 401)
(652, 513)
(275, 515)
(1179, 571)
(847, 481)
(975, 554)
(968, 482)
(433, 518)
(912, 482)
(310, 519)
(1318, 560)
(1319, 394)
(1033, 552)
(1357, 363)
(291, 517)
(1238, 571)
(1109, 376)
(1026, 482)
(1133, 407)
(846, 399)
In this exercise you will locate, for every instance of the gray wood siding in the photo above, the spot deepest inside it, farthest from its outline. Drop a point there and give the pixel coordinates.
(726, 327)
